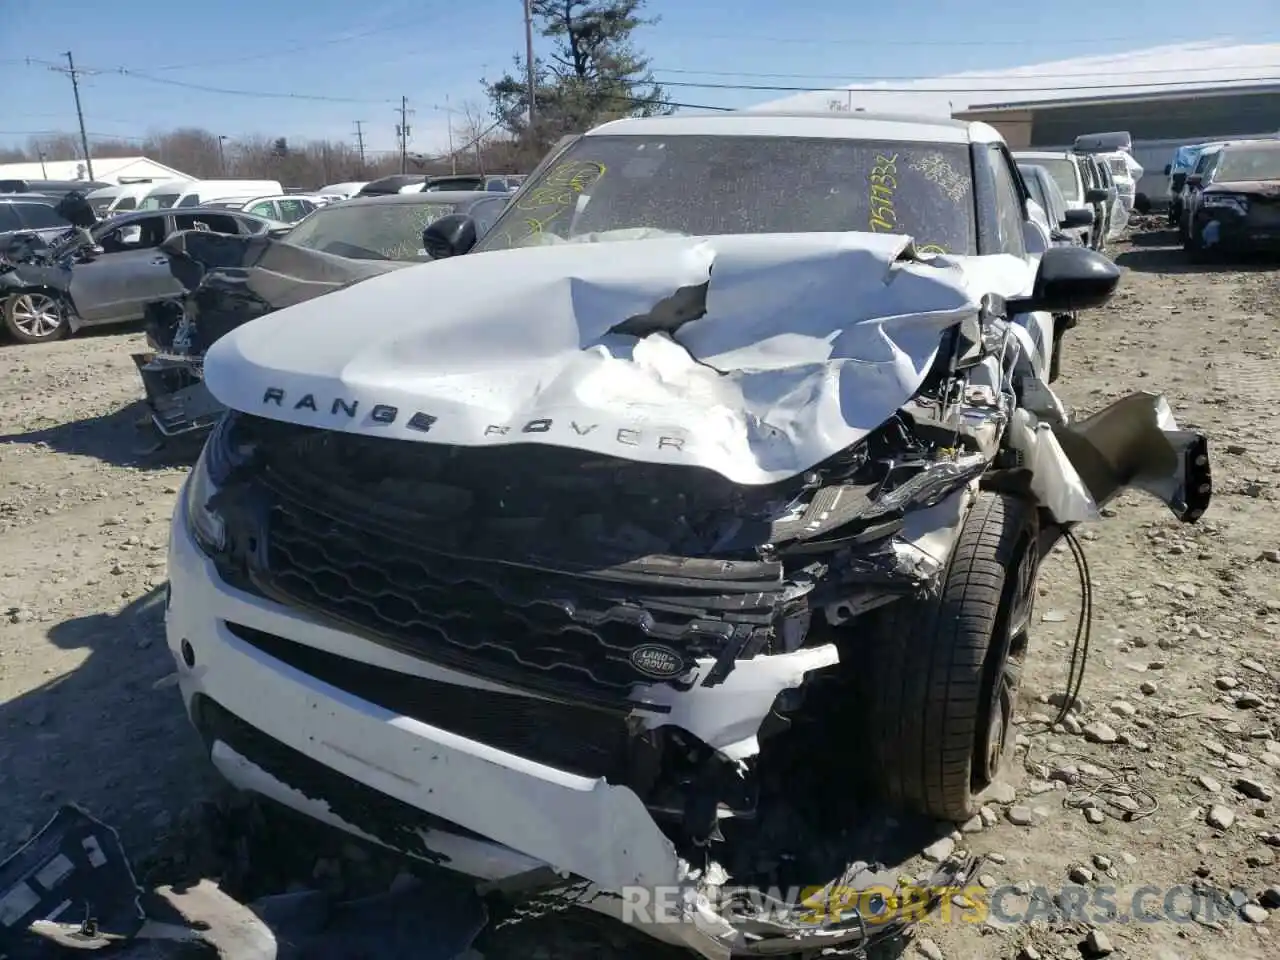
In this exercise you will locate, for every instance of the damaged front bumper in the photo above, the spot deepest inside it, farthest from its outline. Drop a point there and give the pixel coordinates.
(179, 401)
(470, 807)
(331, 723)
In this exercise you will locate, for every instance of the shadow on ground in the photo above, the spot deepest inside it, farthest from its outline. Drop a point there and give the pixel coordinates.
(100, 735)
(1150, 258)
(123, 438)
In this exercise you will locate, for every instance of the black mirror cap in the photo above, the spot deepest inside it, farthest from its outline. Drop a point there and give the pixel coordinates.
(449, 236)
(1069, 279)
(1096, 195)
(1077, 218)
(1168, 169)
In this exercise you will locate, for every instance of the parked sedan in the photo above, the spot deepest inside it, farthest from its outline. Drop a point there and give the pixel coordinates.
(1062, 225)
(45, 298)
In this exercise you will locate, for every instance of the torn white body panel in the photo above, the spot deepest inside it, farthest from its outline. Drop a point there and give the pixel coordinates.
(807, 343)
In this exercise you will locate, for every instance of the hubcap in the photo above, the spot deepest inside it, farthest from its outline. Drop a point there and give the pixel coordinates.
(36, 315)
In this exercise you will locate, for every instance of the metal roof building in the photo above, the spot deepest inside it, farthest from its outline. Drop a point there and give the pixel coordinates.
(105, 170)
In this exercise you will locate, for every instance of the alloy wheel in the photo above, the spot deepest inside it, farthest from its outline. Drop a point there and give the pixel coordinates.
(37, 315)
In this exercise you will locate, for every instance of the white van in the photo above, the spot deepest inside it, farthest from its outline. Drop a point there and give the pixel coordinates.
(163, 195)
(123, 197)
(208, 191)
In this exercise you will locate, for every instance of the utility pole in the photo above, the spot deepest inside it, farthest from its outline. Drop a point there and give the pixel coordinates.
(453, 157)
(222, 156)
(360, 143)
(44, 174)
(71, 71)
(402, 131)
(528, 62)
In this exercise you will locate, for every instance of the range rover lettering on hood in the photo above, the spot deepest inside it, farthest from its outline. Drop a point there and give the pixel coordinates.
(422, 422)
(753, 356)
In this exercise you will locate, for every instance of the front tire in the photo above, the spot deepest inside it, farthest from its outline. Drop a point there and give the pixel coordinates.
(36, 317)
(943, 675)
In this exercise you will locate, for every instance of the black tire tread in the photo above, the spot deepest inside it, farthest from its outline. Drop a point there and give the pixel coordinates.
(928, 662)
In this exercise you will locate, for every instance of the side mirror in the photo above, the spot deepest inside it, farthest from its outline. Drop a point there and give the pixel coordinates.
(1168, 169)
(1178, 181)
(450, 236)
(1069, 279)
(1077, 218)
(1194, 179)
(1096, 195)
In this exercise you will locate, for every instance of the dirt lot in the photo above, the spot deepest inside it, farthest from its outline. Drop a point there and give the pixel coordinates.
(1183, 671)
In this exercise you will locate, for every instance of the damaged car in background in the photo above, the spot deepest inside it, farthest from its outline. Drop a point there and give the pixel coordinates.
(612, 583)
(105, 274)
(229, 281)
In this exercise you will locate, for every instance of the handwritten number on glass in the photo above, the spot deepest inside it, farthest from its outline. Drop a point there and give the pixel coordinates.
(883, 182)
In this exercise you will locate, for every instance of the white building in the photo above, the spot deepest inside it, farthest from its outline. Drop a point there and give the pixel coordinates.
(105, 170)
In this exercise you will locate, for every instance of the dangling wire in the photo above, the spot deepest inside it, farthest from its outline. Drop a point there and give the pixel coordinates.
(1084, 628)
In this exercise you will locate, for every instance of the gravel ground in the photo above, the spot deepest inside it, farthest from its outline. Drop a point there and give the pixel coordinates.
(1165, 777)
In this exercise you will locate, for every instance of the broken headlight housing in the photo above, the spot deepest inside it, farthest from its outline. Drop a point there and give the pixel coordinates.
(203, 520)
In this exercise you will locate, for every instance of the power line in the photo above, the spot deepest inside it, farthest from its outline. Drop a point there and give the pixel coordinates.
(226, 91)
(1101, 87)
(872, 78)
(879, 41)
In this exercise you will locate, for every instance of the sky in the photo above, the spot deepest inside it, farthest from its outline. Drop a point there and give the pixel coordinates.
(148, 60)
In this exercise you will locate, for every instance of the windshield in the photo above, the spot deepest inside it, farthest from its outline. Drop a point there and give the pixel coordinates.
(1063, 172)
(631, 187)
(1260, 163)
(159, 201)
(369, 231)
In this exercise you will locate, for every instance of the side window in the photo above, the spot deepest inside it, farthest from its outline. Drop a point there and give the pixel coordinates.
(9, 218)
(291, 210)
(264, 209)
(1010, 210)
(1214, 161)
(39, 216)
(138, 235)
(217, 223)
(126, 203)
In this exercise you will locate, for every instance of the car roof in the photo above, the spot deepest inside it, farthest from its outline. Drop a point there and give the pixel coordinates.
(426, 196)
(855, 125)
(44, 198)
(126, 217)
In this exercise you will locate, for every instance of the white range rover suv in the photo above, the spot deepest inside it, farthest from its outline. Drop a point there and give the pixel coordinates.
(605, 557)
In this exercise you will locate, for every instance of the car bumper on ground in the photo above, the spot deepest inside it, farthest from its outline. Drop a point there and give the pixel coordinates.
(424, 791)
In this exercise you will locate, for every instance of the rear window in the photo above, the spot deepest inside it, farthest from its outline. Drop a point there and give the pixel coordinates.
(369, 231)
(161, 201)
(40, 216)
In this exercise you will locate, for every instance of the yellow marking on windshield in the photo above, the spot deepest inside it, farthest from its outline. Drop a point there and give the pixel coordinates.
(883, 181)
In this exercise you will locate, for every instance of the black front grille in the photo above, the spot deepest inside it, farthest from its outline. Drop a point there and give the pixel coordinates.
(568, 632)
(571, 737)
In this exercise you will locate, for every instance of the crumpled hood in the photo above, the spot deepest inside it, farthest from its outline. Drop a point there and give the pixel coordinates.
(754, 356)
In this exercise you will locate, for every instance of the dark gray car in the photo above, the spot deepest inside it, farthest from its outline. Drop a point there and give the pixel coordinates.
(44, 298)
